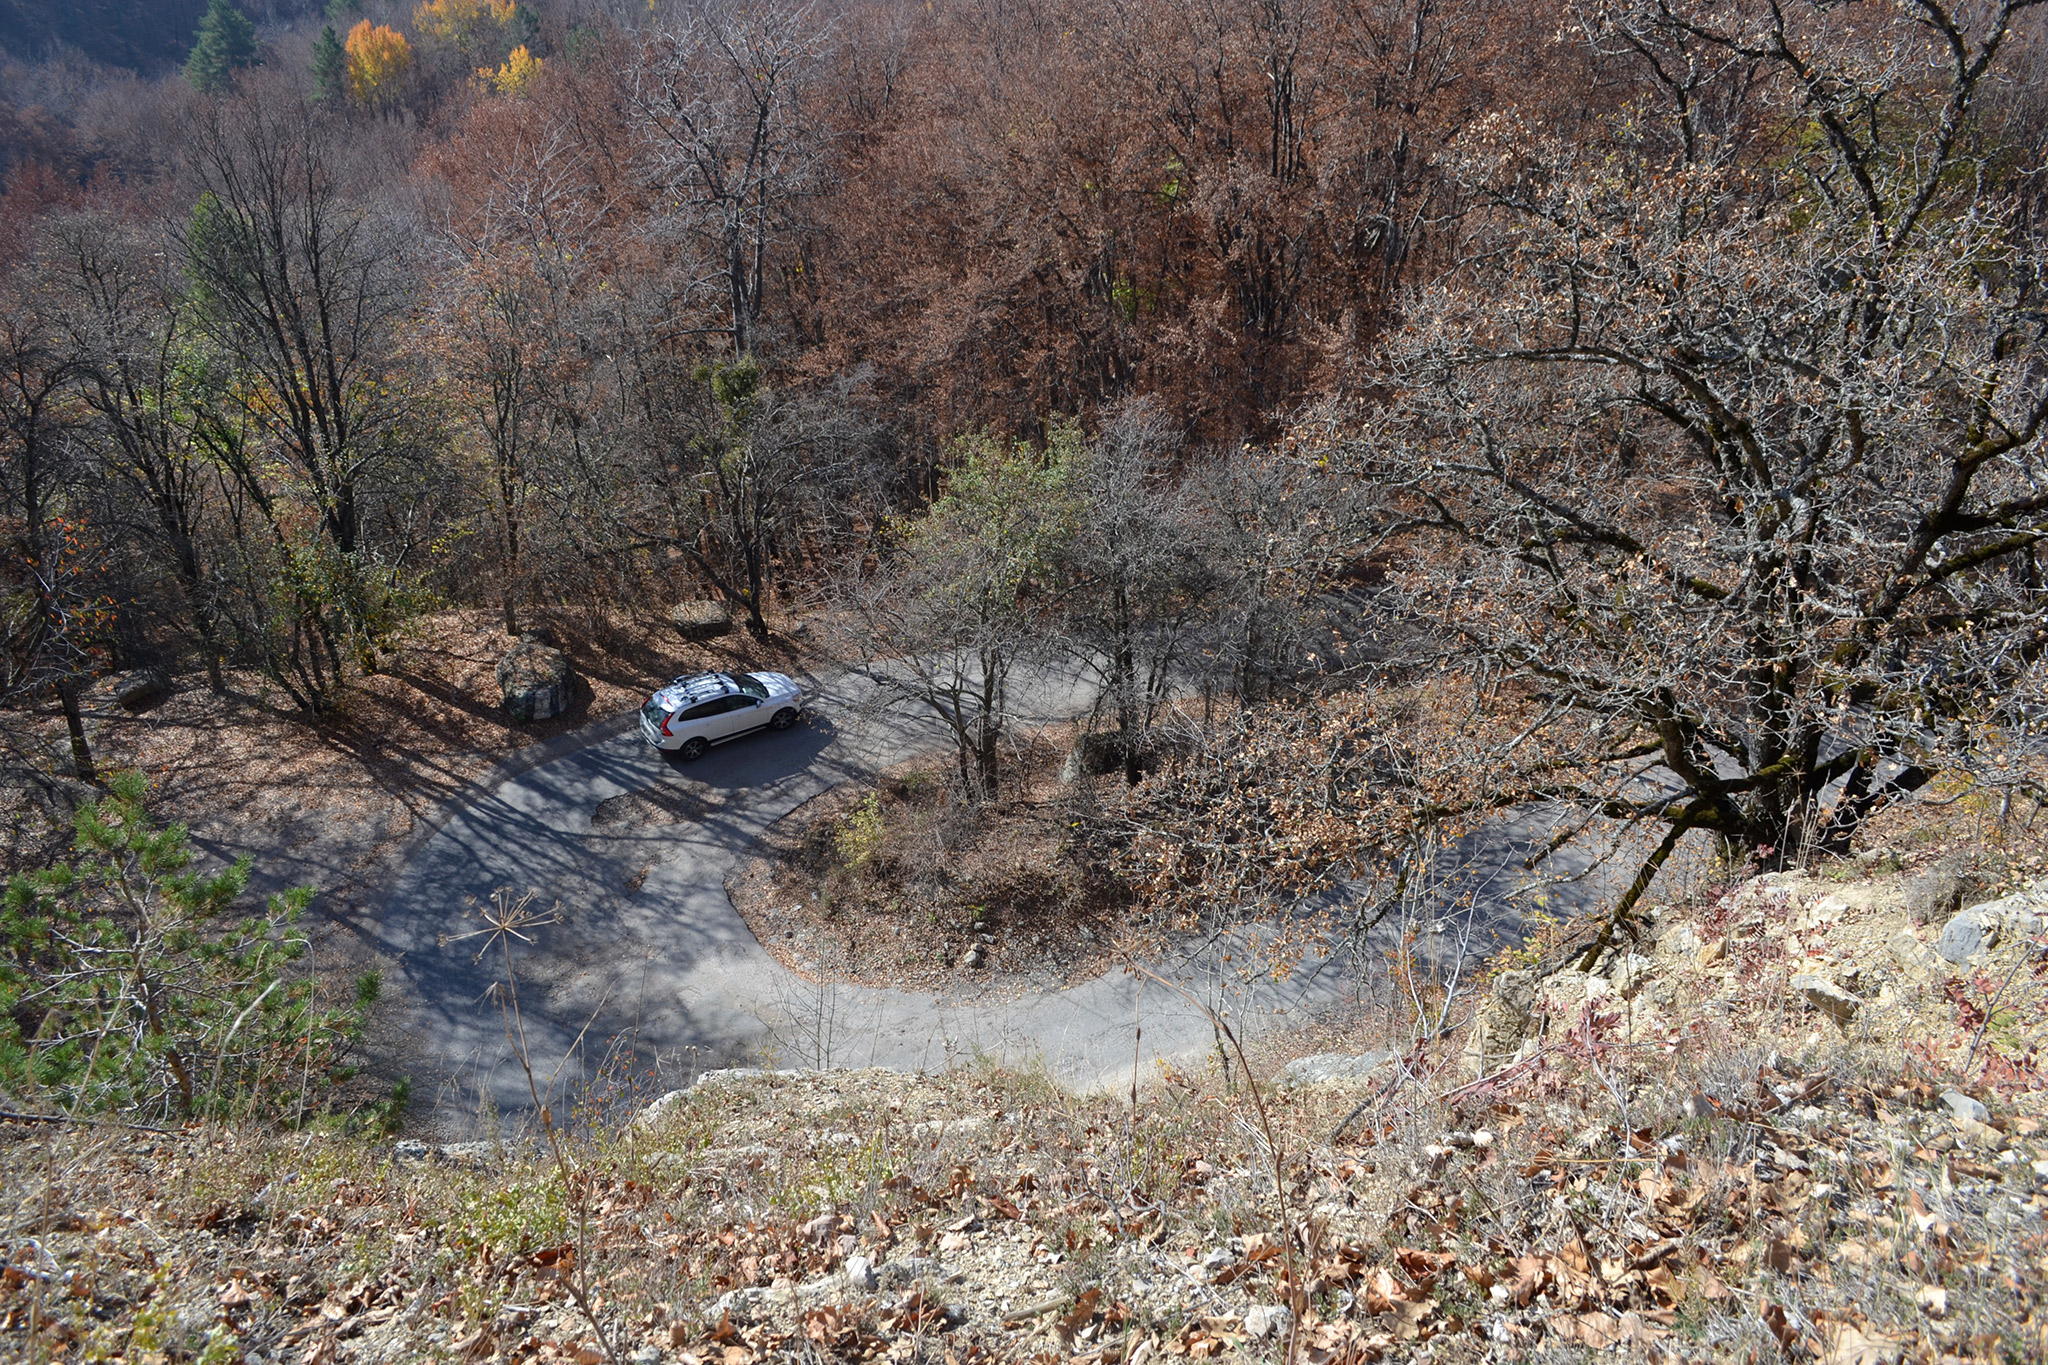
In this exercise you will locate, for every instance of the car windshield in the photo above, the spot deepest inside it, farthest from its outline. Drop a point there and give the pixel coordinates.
(747, 683)
(655, 711)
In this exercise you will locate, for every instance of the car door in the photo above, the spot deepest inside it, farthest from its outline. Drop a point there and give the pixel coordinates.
(697, 722)
(738, 714)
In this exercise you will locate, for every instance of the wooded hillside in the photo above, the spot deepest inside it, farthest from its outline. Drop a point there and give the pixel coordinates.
(1458, 405)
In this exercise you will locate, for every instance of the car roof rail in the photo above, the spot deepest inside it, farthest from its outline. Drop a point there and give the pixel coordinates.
(704, 684)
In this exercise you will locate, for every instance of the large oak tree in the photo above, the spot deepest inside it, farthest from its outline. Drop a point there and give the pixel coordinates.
(1729, 447)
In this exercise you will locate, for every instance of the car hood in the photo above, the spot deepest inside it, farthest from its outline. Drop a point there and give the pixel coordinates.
(779, 685)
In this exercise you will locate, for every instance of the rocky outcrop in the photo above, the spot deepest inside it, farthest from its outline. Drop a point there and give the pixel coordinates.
(535, 680)
(701, 618)
(1332, 1068)
(1505, 1022)
(1967, 935)
(1973, 932)
(142, 689)
(1826, 996)
(2020, 915)
(1911, 954)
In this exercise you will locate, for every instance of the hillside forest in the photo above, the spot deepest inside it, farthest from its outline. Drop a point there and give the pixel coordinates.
(1431, 405)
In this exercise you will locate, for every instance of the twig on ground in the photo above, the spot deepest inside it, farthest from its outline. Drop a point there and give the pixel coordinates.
(1498, 1076)
(13, 1116)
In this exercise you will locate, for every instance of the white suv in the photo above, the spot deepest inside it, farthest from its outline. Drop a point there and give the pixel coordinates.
(693, 713)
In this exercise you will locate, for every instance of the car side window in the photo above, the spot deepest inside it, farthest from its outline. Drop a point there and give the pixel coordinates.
(737, 703)
(704, 708)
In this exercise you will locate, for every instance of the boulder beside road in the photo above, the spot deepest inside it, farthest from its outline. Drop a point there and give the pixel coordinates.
(702, 618)
(535, 680)
(142, 689)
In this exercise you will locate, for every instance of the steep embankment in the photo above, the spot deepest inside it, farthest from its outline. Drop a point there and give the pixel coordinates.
(1789, 1117)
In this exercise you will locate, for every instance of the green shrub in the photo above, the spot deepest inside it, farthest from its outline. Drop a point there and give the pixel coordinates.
(860, 838)
(129, 982)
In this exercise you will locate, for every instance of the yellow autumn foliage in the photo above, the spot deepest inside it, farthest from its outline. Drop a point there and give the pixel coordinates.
(461, 22)
(516, 75)
(377, 56)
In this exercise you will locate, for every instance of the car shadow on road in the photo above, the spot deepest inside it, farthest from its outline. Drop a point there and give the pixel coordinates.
(766, 758)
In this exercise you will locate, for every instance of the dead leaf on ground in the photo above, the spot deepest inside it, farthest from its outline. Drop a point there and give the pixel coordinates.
(1530, 1278)
(1773, 1317)
(1410, 1316)
(1852, 1346)
(1084, 1309)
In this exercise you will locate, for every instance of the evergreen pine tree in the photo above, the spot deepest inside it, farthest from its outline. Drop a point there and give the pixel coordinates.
(226, 40)
(330, 67)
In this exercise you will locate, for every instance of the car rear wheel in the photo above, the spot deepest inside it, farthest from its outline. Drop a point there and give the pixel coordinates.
(693, 748)
(784, 718)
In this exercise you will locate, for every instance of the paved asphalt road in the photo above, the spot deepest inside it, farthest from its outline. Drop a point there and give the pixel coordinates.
(651, 972)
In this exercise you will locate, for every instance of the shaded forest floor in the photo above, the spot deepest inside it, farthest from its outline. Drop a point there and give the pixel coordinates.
(335, 804)
(246, 771)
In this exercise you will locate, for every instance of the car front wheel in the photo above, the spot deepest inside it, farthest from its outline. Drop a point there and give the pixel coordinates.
(693, 749)
(784, 719)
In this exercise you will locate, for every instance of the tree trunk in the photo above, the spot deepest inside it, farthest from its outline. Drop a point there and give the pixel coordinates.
(1645, 874)
(508, 509)
(209, 648)
(1124, 669)
(757, 579)
(74, 721)
(153, 1018)
(988, 761)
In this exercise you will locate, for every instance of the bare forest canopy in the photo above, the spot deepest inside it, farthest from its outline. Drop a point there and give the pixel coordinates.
(1666, 377)
(141, 35)
(150, 37)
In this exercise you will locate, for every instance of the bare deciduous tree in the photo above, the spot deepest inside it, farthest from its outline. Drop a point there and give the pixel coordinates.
(723, 94)
(958, 601)
(127, 317)
(1139, 581)
(1730, 450)
(518, 258)
(299, 288)
(47, 614)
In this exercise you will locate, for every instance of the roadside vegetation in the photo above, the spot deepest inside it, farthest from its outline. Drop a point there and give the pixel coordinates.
(911, 884)
(134, 982)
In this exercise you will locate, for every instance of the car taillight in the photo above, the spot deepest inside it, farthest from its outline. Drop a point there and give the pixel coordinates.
(665, 719)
